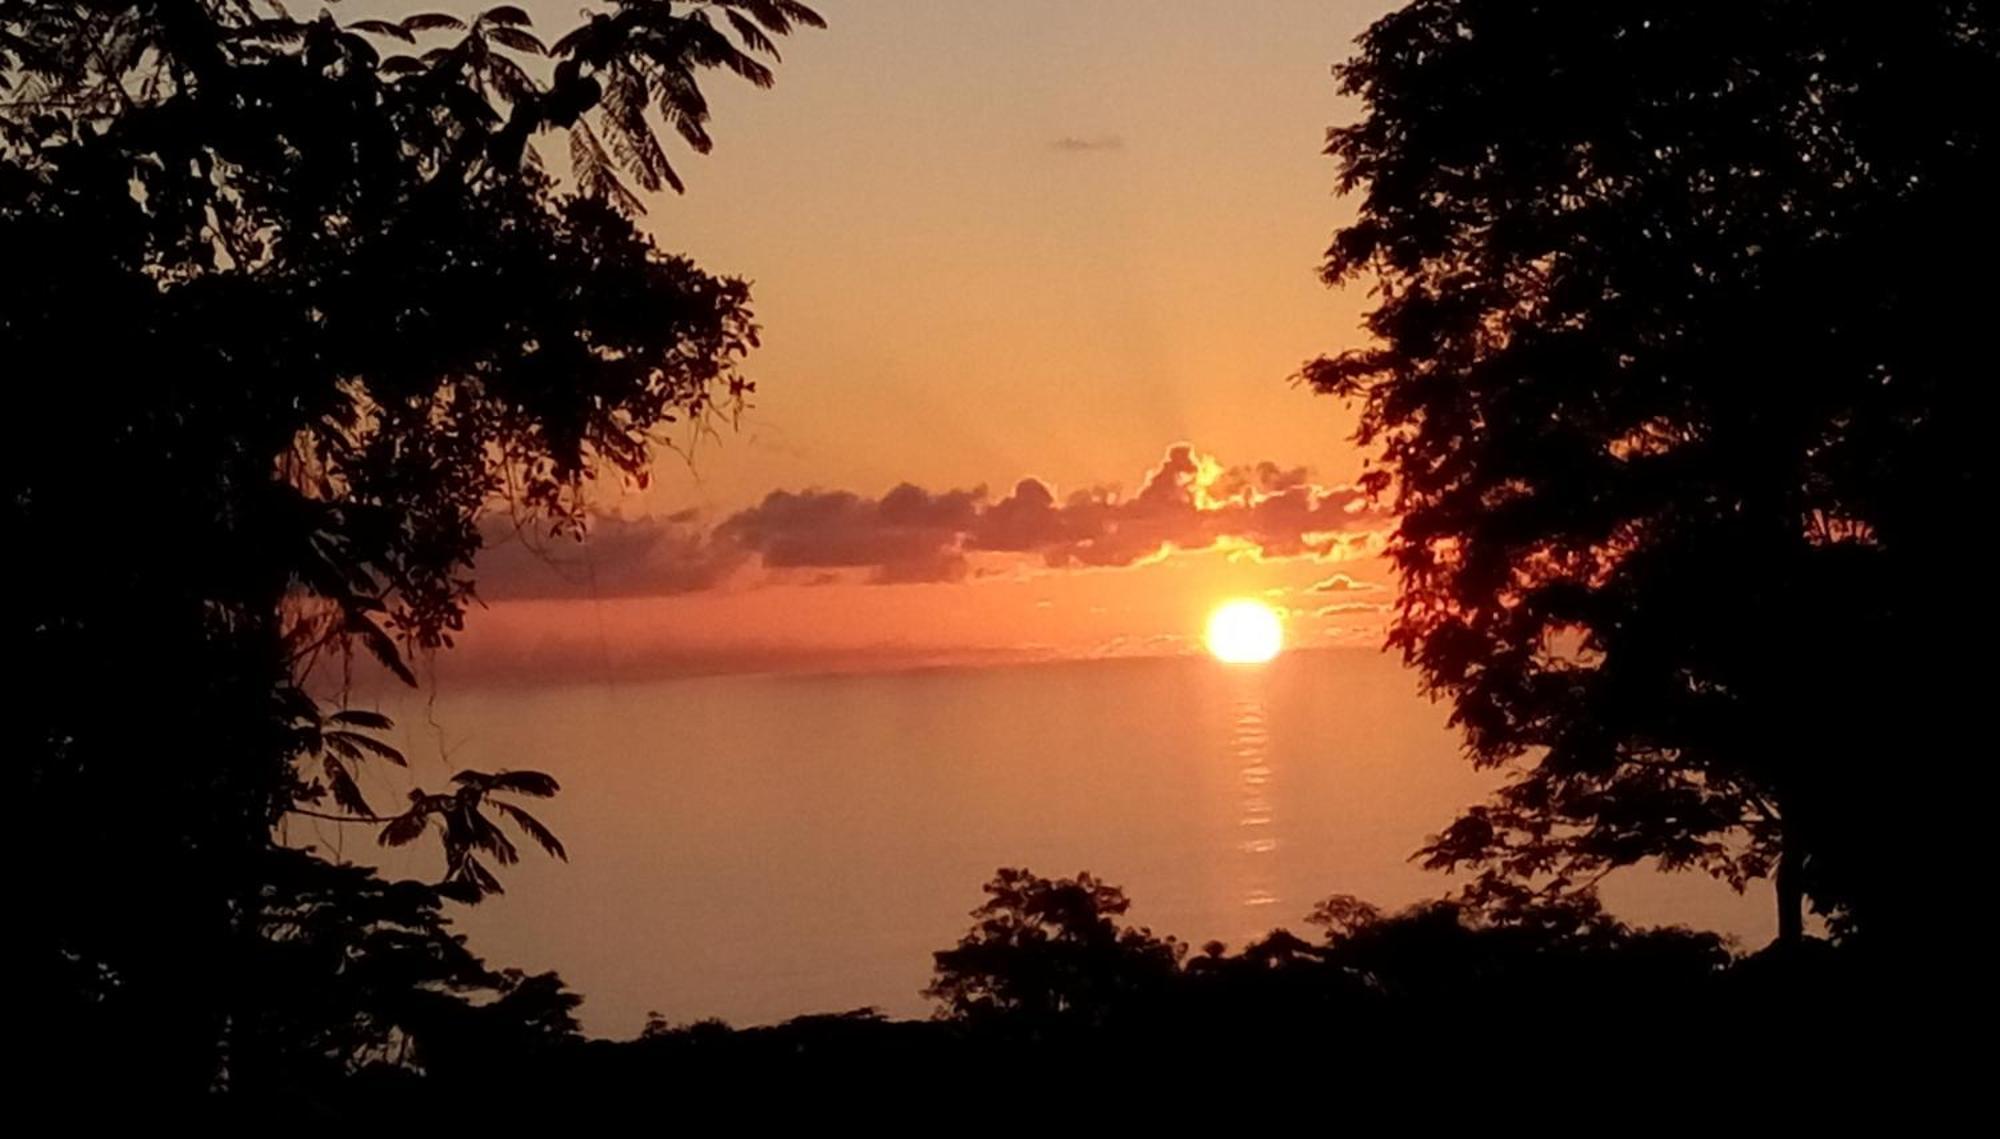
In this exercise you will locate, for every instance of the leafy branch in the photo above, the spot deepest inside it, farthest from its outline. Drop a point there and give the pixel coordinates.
(614, 76)
(460, 820)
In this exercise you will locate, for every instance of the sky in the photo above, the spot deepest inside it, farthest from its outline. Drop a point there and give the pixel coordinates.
(1074, 244)
(1033, 279)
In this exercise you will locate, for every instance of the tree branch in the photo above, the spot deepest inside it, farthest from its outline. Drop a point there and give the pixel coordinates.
(311, 814)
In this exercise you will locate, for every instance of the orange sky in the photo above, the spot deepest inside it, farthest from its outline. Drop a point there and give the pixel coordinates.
(991, 242)
(1073, 243)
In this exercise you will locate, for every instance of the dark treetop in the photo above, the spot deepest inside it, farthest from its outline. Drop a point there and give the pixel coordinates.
(1681, 320)
(288, 305)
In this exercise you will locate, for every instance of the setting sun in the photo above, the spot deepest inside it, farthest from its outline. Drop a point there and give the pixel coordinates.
(1244, 632)
(879, 576)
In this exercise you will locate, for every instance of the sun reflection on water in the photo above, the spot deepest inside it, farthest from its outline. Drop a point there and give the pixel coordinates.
(1257, 844)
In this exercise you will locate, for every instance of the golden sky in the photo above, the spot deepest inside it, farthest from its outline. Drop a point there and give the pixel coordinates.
(989, 243)
(1033, 277)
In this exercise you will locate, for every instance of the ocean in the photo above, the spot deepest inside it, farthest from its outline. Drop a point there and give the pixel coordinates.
(758, 847)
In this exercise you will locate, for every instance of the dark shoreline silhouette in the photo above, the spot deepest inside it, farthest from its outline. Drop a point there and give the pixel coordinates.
(361, 1001)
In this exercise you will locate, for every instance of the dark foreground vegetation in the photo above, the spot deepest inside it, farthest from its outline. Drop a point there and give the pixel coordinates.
(1678, 377)
(1051, 978)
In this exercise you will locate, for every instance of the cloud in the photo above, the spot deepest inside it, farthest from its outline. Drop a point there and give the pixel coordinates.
(1341, 583)
(1188, 502)
(621, 557)
(1073, 144)
(1350, 607)
(907, 535)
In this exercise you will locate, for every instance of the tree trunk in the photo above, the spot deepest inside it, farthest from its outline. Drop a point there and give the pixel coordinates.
(1791, 900)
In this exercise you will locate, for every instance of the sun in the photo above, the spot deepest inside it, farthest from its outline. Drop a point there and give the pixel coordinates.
(1245, 632)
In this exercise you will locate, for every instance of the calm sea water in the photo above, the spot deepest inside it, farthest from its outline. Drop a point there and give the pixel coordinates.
(755, 847)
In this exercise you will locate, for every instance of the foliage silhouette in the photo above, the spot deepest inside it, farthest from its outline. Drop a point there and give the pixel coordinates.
(392, 991)
(285, 316)
(1674, 384)
(406, 1024)
(1051, 958)
(1044, 950)
(1053, 985)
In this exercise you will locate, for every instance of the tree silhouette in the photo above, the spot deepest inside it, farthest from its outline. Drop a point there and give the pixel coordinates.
(284, 316)
(1550, 956)
(1673, 384)
(391, 987)
(1051, 951)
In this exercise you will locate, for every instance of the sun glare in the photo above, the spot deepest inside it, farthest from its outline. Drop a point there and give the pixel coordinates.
(1245, 632)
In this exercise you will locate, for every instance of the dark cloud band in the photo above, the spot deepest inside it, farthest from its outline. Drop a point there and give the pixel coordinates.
(1188, 502)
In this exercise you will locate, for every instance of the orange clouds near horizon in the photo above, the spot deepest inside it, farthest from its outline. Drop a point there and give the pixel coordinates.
(838, 580)
(999, 255)
(1189, 502)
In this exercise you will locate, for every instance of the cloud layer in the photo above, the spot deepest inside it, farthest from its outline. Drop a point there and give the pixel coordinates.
(1342, 583)
(910, 534)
